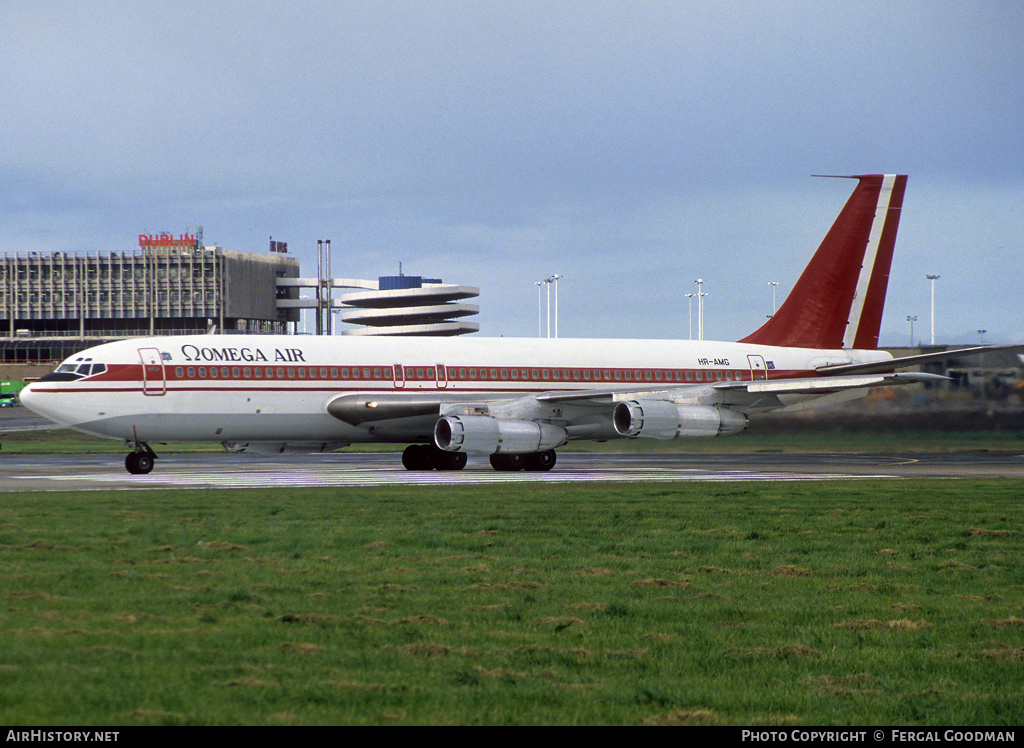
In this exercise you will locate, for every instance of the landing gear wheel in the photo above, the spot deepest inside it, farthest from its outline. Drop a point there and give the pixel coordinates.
(541, 461)
(507, 462)
(418, 457)
(429, 457)
(449, 460)
(138, 463)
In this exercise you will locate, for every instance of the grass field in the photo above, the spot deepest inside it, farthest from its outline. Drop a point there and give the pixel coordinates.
(851, 603)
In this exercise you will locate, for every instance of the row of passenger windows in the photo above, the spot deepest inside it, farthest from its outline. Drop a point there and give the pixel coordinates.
(455, 374)
(281, 372)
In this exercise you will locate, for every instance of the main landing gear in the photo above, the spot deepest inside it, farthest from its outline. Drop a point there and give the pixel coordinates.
(429, 457)
(140, 462)
(536, 461)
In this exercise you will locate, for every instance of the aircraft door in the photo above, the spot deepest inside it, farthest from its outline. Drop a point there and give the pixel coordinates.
(154, 382)
(758, 369)
(399, 376)
(442, 376)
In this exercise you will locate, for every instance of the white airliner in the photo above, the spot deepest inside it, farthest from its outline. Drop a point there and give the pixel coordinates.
(515, 400)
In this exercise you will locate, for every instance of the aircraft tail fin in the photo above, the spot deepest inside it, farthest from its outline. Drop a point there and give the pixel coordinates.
(838, 300)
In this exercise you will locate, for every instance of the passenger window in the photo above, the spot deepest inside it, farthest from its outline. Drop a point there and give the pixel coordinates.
(179, 372)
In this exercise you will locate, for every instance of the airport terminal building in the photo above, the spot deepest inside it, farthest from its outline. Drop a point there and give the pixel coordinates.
(53, 305)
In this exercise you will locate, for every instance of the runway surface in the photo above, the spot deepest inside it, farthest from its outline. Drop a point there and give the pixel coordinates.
(183, 471)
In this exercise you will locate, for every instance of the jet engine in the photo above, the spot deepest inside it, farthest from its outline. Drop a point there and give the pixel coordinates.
(661, 419)
(486, 435)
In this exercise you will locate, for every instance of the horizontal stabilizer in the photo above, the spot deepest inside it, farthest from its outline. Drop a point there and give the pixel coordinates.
(924, 358)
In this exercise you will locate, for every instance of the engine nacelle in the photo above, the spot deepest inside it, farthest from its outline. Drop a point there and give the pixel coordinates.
(488, 436)
(661, 419)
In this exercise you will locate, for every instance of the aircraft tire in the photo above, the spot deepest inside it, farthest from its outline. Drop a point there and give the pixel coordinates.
(508, 462)
(418, 457)
(541, 461)
(449, 460)
(138, 463)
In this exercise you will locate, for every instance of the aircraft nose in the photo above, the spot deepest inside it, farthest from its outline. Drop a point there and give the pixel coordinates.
(35, 401)
(26, 397)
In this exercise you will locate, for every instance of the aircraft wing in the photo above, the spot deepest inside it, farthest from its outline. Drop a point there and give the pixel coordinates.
(795, 386)
(746, 396)
(924, 358)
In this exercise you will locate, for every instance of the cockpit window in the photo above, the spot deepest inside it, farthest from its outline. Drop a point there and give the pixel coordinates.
(72, 372)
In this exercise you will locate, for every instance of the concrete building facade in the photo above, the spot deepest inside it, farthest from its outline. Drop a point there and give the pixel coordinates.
(52, 305)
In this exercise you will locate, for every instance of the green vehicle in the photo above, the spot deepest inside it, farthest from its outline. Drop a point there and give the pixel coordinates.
(9, 389)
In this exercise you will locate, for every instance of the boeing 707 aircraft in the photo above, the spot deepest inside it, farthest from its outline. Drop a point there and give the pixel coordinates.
(515, 400)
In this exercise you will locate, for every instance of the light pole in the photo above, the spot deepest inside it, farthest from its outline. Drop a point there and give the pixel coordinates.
(548, 282)
(773, 284)
(700, 308)
(540, 332)
(933, 278)
(554, 279)
(911, 320)
(689, 308)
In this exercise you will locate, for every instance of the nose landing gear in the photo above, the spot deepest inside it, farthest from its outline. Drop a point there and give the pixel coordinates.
(140, 462)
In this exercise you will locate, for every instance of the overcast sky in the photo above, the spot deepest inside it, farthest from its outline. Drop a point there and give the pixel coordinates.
(630, 147)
